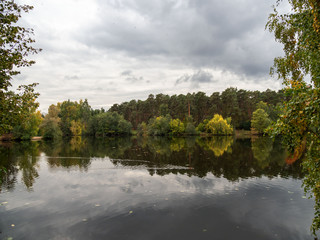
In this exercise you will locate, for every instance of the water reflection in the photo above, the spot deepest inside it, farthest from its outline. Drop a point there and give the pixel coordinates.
(151, 188)
(19, 157)
(218, 145)
(221, 156)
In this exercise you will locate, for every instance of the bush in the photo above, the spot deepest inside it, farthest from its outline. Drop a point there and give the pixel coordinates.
(176, 127)
(50, 128)
(190, 129)
(142, 129)
(159, 126)
(219, 126)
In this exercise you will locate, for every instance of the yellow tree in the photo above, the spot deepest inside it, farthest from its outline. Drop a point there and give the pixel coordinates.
(219, 126)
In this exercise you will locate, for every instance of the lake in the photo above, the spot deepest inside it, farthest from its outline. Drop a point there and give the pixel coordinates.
(152, 188)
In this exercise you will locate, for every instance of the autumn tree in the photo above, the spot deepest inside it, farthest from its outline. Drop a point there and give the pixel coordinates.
(299, 32)
(219, 126)
(176, 127)
(15, 46)
(17, 109)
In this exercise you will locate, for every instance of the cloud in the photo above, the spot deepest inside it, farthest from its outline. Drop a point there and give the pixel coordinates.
(111, 51)
(126, 73)
(228, 35)
(130, 77)
(195, 79)
(74, 77)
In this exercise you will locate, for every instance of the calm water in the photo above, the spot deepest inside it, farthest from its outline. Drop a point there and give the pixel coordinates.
(154, 188)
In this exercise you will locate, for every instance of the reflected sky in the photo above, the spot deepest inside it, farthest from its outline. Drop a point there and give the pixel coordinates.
(120, 198)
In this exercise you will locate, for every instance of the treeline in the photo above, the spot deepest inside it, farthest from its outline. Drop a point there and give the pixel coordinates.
(218, 114)
(74, 119)
(239, 105)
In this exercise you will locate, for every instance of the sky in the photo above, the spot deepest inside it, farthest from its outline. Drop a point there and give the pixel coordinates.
(112, 51)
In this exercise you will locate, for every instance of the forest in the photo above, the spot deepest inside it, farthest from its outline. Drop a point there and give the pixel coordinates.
(191, 114)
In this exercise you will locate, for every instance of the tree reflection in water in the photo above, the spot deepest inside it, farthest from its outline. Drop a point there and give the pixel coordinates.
(221, 156)
(17, 157)
(218, 145)
(261, 148)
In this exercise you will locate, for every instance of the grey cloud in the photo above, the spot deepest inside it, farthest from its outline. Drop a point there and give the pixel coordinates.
(196, 78)
(130, 77)
(73, 77)
(228, 35)
(126, 73)
(134, 79)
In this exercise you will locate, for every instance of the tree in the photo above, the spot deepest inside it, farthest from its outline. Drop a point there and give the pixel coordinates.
(109, 123)
(16, 109)
(29, 127)
(50, 125)
(299, 32)
(14, 41)
(219, 126)
(142, 129)
(15, 46)
(260, 120)
(159, 126)
(176, 127)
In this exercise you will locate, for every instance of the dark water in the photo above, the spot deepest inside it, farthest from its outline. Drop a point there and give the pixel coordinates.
(154, 188)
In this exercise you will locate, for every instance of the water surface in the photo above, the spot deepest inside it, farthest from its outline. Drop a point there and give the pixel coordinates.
(152, 188)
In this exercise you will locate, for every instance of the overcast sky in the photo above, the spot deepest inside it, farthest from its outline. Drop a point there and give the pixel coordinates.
(111, 51)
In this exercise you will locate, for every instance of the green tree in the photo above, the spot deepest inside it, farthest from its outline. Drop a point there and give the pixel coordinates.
(260, 120)
(299, 32)
(29, 127)
(49, 127)
(230, 105)
(17, 109)
(263, 105)
(15, 46)
(143, 129)
(15, 41)
(109, 123)
(159, 126)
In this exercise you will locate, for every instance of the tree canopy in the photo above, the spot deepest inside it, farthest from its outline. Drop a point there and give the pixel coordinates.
(260, 120)
(236, 103)
(299, 32)
(16, 109)
(15, 41)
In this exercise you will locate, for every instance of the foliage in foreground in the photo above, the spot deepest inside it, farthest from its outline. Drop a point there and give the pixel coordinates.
(17, 109)
(299, 32)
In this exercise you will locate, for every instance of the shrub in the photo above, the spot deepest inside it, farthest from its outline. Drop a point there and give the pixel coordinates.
(219, 126)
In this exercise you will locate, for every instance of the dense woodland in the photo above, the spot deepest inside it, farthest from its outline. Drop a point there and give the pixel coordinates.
(190, 114)
(234, 103)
